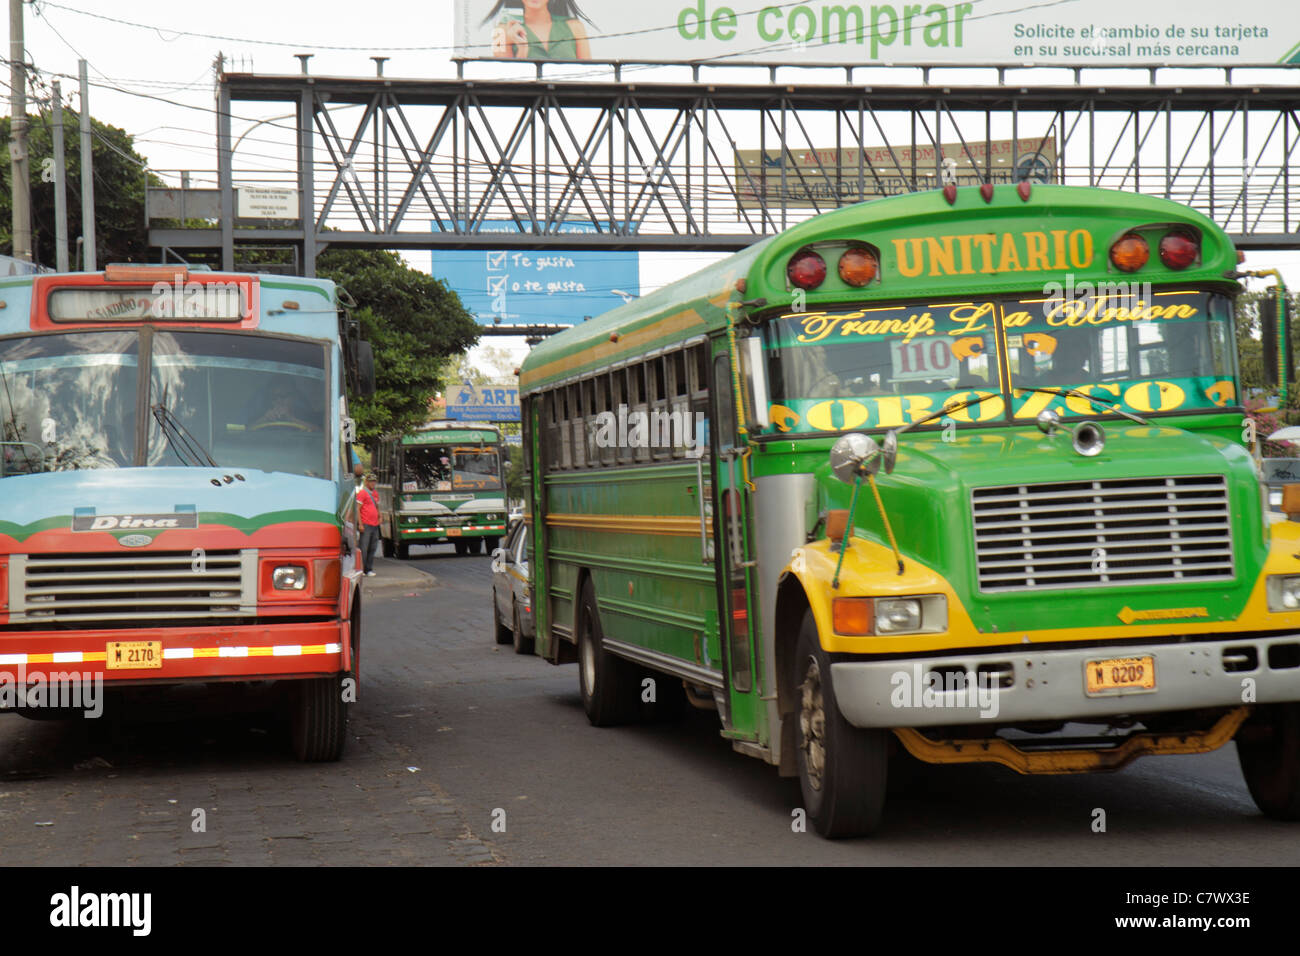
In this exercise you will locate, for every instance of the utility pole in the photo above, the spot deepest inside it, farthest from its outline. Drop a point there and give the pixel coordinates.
(87, 179)
(22, 199)
(60, 187)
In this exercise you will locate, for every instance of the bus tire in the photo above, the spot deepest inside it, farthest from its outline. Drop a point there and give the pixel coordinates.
(319, 723)
(523, 645)
(843, 769)
(462, 547)
(474, 545)
(403, 550)
(1269, 753)
(608, 684)
(491, 544)
(388, 547)
(501, 631)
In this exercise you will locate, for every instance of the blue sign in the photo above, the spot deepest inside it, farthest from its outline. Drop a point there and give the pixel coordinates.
(483, 403)
(531, 287)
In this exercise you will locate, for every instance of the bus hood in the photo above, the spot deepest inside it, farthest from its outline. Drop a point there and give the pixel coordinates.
(166, 508)
(937, 487)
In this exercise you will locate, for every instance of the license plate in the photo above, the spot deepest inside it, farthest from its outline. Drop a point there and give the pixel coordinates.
(453, 532)
(133, 655)
(1114, 674)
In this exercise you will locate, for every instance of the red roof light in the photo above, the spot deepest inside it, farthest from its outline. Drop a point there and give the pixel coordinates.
(807, 270)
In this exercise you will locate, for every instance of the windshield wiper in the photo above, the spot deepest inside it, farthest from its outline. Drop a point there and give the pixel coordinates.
(188, 448)
(1110, 403)
(947, 409)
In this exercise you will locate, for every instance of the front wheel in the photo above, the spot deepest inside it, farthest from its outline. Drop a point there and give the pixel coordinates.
(319, 723)
(387, 547)
(475, 545)
(403, 550)
(491, 544)
(842, 768)
(1268, 747)
(610, 693)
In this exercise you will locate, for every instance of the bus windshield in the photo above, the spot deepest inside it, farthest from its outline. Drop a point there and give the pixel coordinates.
(251, 401)
(449, 468)
(69, 401)
(883, 366)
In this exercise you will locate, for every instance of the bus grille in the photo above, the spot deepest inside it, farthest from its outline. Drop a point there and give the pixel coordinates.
(1123, 531)
(63, 588)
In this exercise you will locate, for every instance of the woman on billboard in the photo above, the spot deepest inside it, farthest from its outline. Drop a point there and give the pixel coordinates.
(539, 30)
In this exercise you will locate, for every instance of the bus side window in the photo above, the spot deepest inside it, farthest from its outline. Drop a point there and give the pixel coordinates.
(618, 399)
(680, 422)
(638, 405)
(660, 445)
(699, 370)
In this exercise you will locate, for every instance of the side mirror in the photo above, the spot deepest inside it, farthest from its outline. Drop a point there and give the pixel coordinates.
(855, 455)
(754, 374)
(366, 369)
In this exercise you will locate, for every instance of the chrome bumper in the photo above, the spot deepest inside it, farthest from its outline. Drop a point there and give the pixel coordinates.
(1050, 684)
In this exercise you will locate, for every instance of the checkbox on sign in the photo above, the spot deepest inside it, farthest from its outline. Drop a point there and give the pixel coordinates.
(496, 285)
(496, 260)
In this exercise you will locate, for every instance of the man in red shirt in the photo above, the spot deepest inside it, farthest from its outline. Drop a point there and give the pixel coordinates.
(368, 521)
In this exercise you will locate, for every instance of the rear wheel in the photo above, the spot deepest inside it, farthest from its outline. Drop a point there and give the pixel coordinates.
(475, 545)
(610, 694)
(386, 545)
(319, 724)
(1268, 747)
(523, 645)
(491, 544)
(842, 768)
(403, 550)
(462, 547)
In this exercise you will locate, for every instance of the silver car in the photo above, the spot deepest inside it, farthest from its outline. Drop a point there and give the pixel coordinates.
(512, 591)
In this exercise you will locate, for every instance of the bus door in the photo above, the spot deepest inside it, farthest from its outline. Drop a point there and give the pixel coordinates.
(734, 568)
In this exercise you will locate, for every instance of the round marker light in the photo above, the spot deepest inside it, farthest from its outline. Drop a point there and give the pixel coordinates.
(807, 270)
(1178, 250)
(1130, 253)
(858, 267)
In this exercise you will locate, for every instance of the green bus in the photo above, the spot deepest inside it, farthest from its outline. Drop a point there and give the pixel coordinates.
(961, 474)
(440, 483)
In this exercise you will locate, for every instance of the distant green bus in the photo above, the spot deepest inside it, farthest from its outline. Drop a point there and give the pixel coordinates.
(441, 483)
(1074, 532)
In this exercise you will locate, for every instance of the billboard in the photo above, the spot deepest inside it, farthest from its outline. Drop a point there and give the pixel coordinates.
(530, 287)
(483, 403)
(1006, 32)
(826, 178)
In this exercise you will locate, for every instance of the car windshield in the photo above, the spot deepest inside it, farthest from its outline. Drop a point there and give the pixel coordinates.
(888, 366)
(68, 401)
(251, 401)
(449, 468)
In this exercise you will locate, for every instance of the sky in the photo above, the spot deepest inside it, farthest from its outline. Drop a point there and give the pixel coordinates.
(153, 77)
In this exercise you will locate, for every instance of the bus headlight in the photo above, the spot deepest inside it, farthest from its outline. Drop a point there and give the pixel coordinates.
(289, 577)
(898, 615)
(863, 616)
(1283, 592)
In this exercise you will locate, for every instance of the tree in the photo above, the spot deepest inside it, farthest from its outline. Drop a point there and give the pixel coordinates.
(413, 322)
(121, 234)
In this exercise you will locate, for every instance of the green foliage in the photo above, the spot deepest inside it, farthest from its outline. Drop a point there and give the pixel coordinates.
(515, 476)
(1250, 349)
(413, 322)
(120, 231)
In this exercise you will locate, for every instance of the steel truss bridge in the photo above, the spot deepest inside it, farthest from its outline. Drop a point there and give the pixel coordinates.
(550, 164)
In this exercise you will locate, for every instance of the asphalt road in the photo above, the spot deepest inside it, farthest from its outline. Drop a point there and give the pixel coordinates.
(464, 753)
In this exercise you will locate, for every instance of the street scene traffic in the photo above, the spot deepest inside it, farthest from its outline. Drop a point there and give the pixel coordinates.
(767, 434)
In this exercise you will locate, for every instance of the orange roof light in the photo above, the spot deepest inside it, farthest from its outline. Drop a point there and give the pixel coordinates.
(129, 272)
(1130, 253)
(858, 267)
